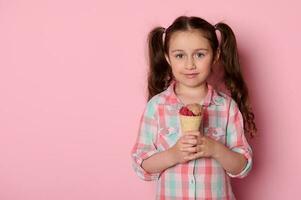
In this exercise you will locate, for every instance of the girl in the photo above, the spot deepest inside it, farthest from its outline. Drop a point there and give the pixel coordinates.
(198, 165)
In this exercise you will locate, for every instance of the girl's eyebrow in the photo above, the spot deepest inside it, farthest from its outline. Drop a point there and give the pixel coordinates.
(204, 49)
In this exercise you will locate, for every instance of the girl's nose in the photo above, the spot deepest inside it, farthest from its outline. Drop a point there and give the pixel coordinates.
(190, 64)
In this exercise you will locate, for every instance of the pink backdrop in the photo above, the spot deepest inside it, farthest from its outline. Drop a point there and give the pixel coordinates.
(72, 86)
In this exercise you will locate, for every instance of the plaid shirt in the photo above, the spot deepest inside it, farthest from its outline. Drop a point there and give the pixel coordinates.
(203, 178)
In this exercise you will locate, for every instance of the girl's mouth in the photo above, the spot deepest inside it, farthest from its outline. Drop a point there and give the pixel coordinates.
(192, 75)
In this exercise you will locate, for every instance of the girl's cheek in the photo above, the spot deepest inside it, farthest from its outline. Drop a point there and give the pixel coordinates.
(177, 67)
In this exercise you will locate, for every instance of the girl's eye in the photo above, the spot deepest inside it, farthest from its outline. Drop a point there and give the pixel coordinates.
(199, 55)
(179, 56)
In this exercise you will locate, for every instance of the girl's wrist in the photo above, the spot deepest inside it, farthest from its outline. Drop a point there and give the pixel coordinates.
(218, 150)
(173, 158)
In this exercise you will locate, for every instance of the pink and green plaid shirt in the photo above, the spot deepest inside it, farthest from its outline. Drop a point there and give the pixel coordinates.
(203, 178)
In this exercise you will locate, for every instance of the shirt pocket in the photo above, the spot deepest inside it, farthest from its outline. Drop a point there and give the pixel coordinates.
(167, 137)
(216, 133)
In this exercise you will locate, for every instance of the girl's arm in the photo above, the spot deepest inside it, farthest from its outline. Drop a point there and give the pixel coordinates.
(232, 162)
(159, 161)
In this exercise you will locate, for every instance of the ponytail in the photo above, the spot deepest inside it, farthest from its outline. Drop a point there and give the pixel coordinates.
(233, 77)
(159, 74)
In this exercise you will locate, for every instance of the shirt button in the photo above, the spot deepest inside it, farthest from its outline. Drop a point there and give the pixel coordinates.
(191, 181)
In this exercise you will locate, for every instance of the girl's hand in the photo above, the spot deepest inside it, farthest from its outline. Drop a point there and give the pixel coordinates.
(206, 147)
(187, 141)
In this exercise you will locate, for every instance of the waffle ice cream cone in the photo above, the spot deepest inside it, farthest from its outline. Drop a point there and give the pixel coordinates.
(191, 117)
(190, 123)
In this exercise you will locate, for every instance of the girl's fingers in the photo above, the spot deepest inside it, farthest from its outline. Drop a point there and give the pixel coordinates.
(195, 152)
(201, 140)
(193, 149)
(195, 156)
(190, 141)
(189, 137)
(190, 149)
(187, 145)
(192, 133)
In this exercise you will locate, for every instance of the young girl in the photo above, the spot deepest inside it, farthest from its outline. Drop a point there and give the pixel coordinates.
(195, 164)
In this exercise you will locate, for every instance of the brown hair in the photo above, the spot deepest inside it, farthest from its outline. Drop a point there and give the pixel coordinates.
(160, 74)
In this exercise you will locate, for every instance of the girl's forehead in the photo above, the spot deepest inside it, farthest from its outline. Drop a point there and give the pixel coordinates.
(188, 39)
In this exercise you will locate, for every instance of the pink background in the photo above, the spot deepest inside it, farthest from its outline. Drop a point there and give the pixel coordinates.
(72, 86)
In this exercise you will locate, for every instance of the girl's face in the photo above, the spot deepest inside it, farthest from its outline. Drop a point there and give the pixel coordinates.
(190, 57)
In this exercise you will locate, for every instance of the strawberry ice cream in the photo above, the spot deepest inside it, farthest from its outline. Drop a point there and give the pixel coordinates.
(190, 117)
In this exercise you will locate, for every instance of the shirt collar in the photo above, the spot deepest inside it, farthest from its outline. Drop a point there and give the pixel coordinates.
(211, 98)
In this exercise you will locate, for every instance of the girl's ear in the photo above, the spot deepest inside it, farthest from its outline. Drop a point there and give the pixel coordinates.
(216, 56)
(167, 58)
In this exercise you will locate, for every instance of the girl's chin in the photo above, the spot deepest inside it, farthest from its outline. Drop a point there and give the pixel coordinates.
(192, 83)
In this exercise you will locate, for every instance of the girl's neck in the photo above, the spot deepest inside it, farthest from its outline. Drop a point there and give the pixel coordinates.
(191, 94)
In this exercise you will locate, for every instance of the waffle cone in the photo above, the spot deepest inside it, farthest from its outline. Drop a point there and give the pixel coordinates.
(190, 123)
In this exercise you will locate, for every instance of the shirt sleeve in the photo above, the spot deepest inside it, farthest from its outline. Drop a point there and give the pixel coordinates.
(145, 143)
(236, 140)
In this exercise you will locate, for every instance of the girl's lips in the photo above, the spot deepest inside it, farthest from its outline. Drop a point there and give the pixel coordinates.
(192, 75)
